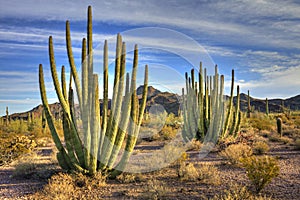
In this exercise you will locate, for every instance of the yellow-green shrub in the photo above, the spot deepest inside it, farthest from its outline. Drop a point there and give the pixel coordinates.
(260, 170)
(260, 148)
(235, 152)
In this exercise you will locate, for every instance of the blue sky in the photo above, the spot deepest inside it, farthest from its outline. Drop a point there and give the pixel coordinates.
(259, 39)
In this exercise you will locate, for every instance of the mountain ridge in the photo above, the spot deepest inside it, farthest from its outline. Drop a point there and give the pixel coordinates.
(171, 103)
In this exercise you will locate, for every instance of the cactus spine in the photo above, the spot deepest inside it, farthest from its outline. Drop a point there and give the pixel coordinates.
(103, 134)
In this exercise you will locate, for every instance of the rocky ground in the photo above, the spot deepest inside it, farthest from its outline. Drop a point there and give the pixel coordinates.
(164, 182)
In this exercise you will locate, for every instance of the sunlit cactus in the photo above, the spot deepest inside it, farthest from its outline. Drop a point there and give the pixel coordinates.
(95, 148)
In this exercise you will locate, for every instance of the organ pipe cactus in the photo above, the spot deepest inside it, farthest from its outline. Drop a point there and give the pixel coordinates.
(96, 145)
(205, 113)
(204, 108)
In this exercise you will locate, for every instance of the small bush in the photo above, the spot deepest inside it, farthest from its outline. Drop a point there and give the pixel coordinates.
(235, 152)
(260, 148)
(168, 132)
(209, 174)
(127, 178)
(261, 170)
(14, 146)
(262, 123)
(238, 192)
(155, 190)
(187, 171)
(205, 173)
(72, 186)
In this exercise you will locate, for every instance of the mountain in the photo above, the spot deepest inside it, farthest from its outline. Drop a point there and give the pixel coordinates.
(275, 105)
(171, 103)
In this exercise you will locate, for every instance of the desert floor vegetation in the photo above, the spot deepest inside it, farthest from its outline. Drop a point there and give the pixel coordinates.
(227, 172)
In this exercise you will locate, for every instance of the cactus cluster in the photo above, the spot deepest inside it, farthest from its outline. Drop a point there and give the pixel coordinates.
(205, 112)
(98, 146)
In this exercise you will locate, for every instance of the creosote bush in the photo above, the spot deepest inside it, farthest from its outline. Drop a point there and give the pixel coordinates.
(235, 152)
(260, 170)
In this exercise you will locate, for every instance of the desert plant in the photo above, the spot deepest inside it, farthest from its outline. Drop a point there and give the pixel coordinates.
(203, 106)
(7, 116)
(236, 152)
(102, 135)
(261, 170)
(204, 109)
(187, 172)
(267, 107)
(155, 190)
(238, 192)
(209, 174)
(248, 105)
(260, 148)
(279, 126)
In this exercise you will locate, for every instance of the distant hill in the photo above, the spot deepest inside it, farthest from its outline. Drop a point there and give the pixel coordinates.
(171, 103)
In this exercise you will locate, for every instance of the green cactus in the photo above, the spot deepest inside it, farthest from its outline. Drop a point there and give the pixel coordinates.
(267, 107)
(237, 115)
(97, 146)
(248, 106)
(204, 110)
(279, 126)
(7, 117)
(229, 112)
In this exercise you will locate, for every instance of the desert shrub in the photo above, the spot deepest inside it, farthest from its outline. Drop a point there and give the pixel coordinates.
(168, 132)
(260, 170)
(172, 120)
(260, 148)
(262, 123)
(235, 152)
(72, 186)
(14, 147)
(205, 173)
(238, 192)
(209, 174)
(188, 172)
(127, 178)
(155, 189)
